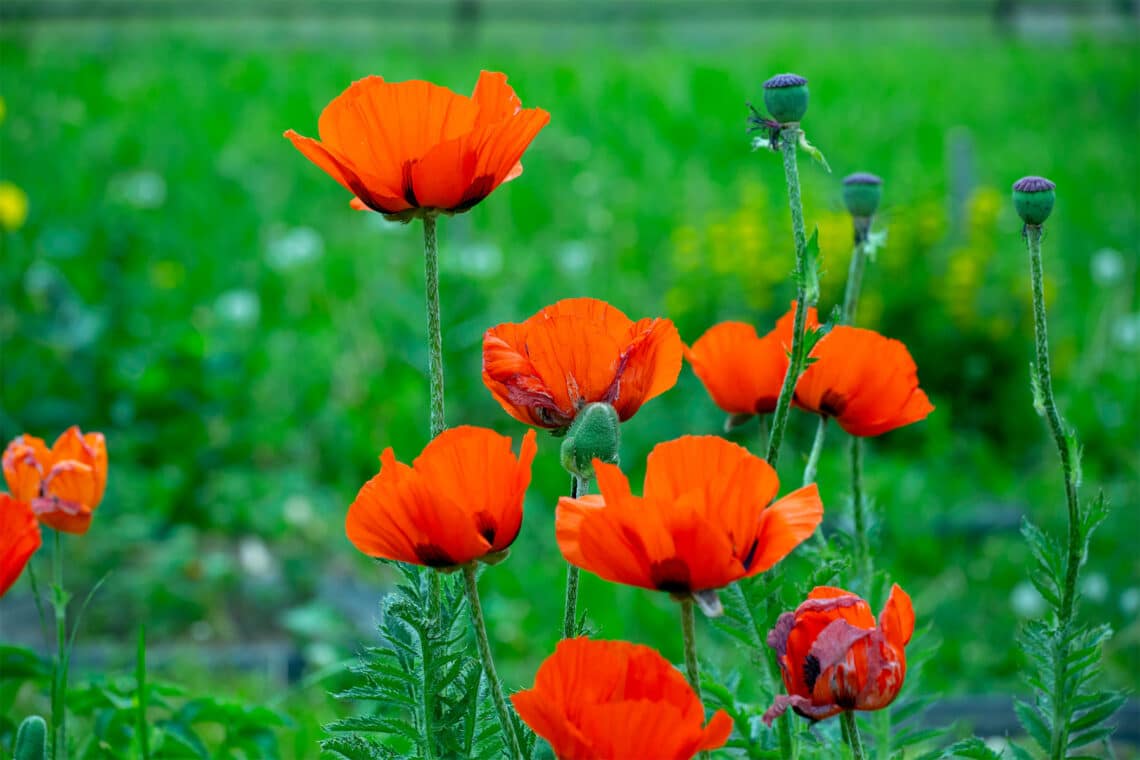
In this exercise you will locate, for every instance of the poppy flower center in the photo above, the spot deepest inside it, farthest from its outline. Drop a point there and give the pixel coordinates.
(670, 575)
(811, 671)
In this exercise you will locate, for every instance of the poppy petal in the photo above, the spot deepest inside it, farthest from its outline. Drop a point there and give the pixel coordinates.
(897, 618)
(19, 539)
(26, 460)
(496, 99)
(649, 366)
(386, 201)
(716, 733)
(785, 525)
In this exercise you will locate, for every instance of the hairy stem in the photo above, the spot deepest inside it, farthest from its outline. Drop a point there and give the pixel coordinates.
(851, 734)
(1059, 740)
(816, 450)
(484, 643)
(788, 142)
(59, 681)
(578, 486)
(854, 276)
(859, 513)
(689, 634)
(435, 339)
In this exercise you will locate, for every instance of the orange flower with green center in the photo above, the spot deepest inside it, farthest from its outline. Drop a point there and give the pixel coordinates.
(461, 500)
(706, 519)
(63, 484)
(867, 382)
(408, 148)
(575, 352)
(612, 700)
(835, 657)
(741, 371)
(19, 539)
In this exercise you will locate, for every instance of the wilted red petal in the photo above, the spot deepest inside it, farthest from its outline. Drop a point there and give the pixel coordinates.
(19, 539)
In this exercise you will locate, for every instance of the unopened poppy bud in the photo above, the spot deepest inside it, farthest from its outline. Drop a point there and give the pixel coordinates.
(1033, 198)
(862, 192)
(786, 97)
(594, 434)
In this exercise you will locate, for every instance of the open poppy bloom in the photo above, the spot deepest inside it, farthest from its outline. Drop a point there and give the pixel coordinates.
(834, 657)
(742, 371)
(578, 351)
(704, 520)
(406, 148)
(63, 484)
(19, 539)
(612, 700)
(867, 382)
(461, 500)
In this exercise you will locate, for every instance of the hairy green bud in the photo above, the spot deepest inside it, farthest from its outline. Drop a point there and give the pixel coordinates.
(594, 434)
(862, 192)
(31, 739)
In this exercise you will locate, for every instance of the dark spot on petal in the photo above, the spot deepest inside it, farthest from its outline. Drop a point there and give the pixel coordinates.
(406, 182)
(832, 404)
(670, 575)
(751, 555)
(846, 701)
(811, 671)
(486, 526)
(433, 556)
(480, 188)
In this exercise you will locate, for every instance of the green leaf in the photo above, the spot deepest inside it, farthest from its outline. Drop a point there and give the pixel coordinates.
(1033, 723)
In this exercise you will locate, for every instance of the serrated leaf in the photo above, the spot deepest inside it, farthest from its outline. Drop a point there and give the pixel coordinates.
(1033, 723)
(970, 749)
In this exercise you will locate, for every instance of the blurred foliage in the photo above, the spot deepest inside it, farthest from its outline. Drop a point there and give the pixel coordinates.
(184, 281)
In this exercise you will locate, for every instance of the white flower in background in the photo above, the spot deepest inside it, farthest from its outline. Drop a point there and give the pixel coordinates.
(1126, 332)
(294, 247)
(1026, 601)
(255, 559)
(574, 257)
(1130, 601)
(142, 189)
(1095, 587)
(1107, 267)
(240, 307)
(481, 260)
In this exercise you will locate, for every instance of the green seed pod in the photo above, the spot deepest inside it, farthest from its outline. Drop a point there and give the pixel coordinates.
(786, 97)
(31, 739)
(1033, 197)
(594, 434)
(862, 192)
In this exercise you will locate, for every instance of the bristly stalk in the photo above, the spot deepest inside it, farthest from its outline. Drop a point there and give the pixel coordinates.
(59, 680)
(435, 362)
(578, 486)
(851, 734)
(789, 140)
(816, 450)
(689, 634)
(484, 643)
(858, 504)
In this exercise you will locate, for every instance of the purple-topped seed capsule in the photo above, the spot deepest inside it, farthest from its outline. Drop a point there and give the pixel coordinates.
(1033, 197)
(786, 97)
(862, 192)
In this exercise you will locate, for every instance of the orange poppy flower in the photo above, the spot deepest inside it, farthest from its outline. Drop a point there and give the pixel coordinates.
(19, 539)
(742, 371)
(461, 500)
(703, 522)
(65, 484)
(578, 351)
(405, 148)
(612, 700)
(834, 657)
(867, 382)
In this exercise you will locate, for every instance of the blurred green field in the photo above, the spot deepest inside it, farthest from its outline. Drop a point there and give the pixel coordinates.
(189, 284)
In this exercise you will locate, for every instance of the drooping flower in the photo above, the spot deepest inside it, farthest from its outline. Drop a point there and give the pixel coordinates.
(834, 657)
(461, 500)
(19, 539)
(575, 352)
(703, 522)
(741, 371)
(867, 382)
(612, 700)
(406, 148)
(63, 484)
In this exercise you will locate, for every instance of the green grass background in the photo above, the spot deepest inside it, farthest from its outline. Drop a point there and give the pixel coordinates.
(189, 284)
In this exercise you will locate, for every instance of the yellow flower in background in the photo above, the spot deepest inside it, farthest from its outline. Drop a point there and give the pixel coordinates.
(13, 206)
(3, 109)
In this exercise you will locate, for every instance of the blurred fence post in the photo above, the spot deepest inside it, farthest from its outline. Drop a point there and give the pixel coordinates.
(1004, 11)
(960, 168)
(466, 19)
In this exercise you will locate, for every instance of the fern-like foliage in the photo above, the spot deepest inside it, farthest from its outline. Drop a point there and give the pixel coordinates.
(428, 693)
(1068, 710)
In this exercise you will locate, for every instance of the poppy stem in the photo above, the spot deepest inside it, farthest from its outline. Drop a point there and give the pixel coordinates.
(859, 513)
(435, 339)
(578, 486)
(59, 680)
(689, 634)
(855, 276)
(816, 450)
(851, 734)
(484, 643)
(789, 139)
(1046, 405)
